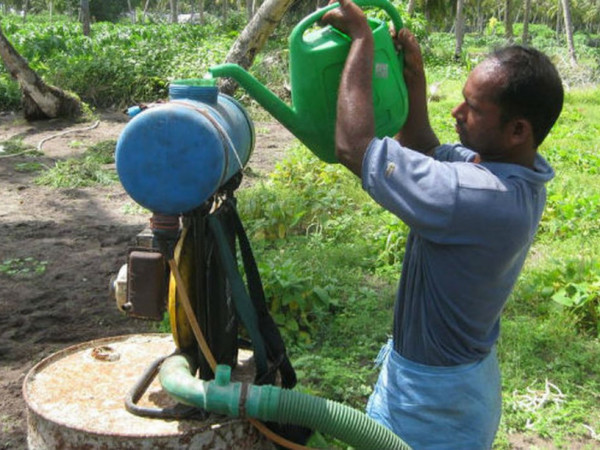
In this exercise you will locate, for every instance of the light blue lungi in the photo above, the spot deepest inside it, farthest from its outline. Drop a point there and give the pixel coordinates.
(438, 407)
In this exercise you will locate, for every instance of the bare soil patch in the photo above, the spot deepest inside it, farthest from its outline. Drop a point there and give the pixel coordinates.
(83, 236)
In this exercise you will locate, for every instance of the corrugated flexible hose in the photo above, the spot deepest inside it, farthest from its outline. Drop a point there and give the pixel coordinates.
(274, 404)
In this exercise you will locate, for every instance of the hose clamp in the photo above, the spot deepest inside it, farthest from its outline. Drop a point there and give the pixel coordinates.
(243, 397)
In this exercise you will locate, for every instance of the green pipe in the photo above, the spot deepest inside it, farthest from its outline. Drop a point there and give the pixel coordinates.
(273, 404)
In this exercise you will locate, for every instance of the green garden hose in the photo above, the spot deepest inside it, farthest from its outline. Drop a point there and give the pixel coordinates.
(273, 404)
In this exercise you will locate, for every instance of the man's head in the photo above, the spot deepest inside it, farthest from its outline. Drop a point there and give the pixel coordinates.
(512, 100)
(533, 88)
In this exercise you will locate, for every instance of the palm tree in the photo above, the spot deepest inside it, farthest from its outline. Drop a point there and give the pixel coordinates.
(174, 15)
(85, 17)
(526, 13)
(253, 37)
(459, 29)
(508, 21)
(40, 100)
(569, 30)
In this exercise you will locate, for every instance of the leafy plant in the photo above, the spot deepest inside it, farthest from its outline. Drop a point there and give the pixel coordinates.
(294, 299)
(579, 293)
(23, 267)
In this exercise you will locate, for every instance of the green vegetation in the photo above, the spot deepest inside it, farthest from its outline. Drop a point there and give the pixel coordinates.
(87, 170)
(119, 65)
(16, 146)
(23, 267)
(28, 167)
(329, 257)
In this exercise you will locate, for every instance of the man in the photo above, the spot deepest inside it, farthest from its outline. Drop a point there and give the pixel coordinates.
(473, 210)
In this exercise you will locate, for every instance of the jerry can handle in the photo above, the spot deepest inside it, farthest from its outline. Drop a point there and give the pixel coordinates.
(308, 21)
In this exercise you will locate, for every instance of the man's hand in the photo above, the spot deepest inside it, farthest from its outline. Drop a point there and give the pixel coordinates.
(413, 58)
(416, 133)
(348, 18)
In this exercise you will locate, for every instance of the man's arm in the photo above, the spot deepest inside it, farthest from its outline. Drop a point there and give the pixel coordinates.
(416, 133)
(355, 124)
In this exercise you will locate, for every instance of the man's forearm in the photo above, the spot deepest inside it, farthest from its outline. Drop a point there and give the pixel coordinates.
(416, 133)
(355, 126)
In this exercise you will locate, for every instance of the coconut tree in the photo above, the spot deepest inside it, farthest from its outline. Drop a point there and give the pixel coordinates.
(85, 16)
(145, 11)
(569, 30)
(174, 13)
(526, 13)
(201, 11)
(508, 20)
(459, 29)
(132, 13)
(253, 37)
(40, 100)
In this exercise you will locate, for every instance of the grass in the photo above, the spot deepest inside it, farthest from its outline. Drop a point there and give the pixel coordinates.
(88, 170)
(15, 147)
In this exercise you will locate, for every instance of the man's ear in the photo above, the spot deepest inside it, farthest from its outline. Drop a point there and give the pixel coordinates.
(520, 131)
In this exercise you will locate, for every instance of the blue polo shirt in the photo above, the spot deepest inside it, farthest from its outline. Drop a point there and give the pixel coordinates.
(471, 227)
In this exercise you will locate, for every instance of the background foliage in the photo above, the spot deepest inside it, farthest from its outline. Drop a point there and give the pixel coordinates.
(329, 256)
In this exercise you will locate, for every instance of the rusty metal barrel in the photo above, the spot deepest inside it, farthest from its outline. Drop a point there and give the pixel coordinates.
(76, 399)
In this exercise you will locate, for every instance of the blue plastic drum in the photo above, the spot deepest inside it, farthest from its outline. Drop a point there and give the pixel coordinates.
(172, 157)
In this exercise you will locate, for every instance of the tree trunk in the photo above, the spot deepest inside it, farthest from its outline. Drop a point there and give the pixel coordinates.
(145, 11)
(25, 10)
(508, 22)
(131, 12)
(252, 39)
(569, 31)
(51, 9)
(40, 101)
(459, 30)
(526, 14)
(201, 11)
(174, 14)
(225, 10)
(85, 17)
(410, 9)
(249, 9)
(558, 20)
(480, 18)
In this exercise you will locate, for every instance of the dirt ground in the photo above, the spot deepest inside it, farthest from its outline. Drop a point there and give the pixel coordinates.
(83, 235)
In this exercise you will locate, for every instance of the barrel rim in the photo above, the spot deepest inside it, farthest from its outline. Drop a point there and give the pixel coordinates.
(54, 357)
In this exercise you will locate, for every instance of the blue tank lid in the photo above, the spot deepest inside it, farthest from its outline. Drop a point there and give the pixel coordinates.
(202, 90)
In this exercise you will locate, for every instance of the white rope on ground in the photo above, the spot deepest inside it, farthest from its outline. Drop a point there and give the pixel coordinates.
(12, 155)
(46, 139)
(43, 141)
